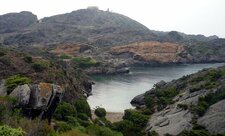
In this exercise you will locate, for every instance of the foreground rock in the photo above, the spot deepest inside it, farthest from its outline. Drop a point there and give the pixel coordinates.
(38, 99)
(214, 118)
(176, 113)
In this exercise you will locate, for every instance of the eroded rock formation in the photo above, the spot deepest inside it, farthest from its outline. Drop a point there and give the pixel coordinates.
(38, 99)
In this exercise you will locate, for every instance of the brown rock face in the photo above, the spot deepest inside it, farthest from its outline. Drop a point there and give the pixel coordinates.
(151, 51)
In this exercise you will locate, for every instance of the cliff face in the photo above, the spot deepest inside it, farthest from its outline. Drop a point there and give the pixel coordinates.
(151, 51)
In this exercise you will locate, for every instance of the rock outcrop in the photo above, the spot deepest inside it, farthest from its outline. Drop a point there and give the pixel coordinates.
(151, 51)
(38, 99)
(185, 92)
(214, 118)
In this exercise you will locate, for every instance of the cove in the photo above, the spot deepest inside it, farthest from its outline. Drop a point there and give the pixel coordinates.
(115, 92)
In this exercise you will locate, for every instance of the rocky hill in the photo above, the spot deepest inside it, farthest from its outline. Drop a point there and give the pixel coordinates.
(96, 27)
(192, 103)
(14, 22)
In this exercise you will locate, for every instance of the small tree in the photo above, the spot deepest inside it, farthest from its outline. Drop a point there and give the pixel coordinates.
(100, 112)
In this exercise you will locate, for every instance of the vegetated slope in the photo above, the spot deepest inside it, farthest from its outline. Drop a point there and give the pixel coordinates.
(42, 69)
(191, 103)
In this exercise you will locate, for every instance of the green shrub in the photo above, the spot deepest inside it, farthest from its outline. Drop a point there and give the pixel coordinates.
(86, 62)
(100, 112)
(74, 132)
(28, 59)
(62, 127)
(95, 130)
(103, 122)
(38, 67)
(183, 106)
(64, 110)
(84, 123)
(153, 133)
(136, 117)
(42, 65)
(82, 106)
(149, 102)
(8, 131)
(72, 121)
(2, 53)
(83, 116)
(195, 133)
(65, 56)
(13, 81)
(5, 60)
(128, 128)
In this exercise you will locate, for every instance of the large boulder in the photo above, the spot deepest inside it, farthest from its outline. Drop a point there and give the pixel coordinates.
(38, 99)
(22, 93)
(214, 118)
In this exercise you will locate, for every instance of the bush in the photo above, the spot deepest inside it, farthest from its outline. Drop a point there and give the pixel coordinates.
(136, 117)
(82, 106)
(38, 67)
(8, 131)
(65, 56)
(94, 130)
(72, 121)
(195, 133)
(100, 112)
(5, 60)
(85, 62)
(28, 59)
(62, 127)
(83, 116)
(183, 106)
(149, 102)
(103, 122)
(64, 110)
(2, 53)
(153, 133)
(74, 132)
(127, 128)
(13, 81)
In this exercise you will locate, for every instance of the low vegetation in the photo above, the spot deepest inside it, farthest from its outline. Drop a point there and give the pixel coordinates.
(8, 131)
(85, 62)
(13, 81)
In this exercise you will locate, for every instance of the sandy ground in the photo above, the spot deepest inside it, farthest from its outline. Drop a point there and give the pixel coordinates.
(111, 116)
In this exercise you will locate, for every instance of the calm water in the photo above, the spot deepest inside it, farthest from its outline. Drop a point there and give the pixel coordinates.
(114, 93)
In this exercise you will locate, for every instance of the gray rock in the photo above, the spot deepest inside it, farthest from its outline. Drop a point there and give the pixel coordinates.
(22, 93)
(138, 100)
(3, 91)
(214, 118)
(160, 84)
(173, 122)
(38, 99)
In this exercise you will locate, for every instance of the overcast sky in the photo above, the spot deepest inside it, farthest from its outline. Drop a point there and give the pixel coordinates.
(189, 16)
